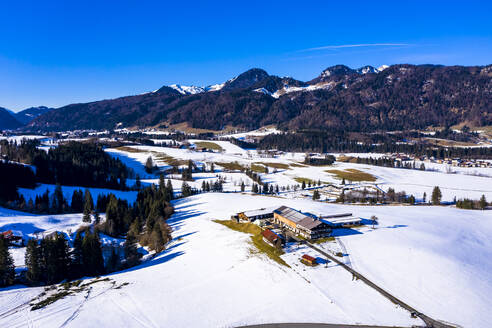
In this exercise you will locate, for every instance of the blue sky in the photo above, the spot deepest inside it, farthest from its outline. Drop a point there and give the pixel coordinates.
(58, 52)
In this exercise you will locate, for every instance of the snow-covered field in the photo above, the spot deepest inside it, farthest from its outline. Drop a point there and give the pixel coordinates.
(463, 183)
(437, 259)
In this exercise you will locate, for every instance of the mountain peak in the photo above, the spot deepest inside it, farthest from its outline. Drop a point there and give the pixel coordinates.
(246, 79)
(337, 70)
(367, 69)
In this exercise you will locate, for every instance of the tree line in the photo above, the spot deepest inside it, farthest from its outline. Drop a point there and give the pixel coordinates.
(83, 164)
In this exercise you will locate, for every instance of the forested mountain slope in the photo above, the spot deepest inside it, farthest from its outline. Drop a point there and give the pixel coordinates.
(341, 98)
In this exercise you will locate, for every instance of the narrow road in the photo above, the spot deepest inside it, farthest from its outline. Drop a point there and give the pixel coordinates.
(430, 323)
(312, 325)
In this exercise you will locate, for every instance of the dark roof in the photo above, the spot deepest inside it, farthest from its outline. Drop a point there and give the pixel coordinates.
(298, 218)
(270, 235)
(309, 223)
(290, 214)
(308, 258)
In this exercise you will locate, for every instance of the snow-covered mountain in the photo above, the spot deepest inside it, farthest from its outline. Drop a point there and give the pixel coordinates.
(187, 90)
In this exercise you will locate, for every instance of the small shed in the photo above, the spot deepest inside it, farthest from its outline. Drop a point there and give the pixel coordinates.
(271, 237)
(308, 260)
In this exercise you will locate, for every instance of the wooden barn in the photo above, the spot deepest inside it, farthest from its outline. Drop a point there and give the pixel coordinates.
(308, 260)
(271, 238)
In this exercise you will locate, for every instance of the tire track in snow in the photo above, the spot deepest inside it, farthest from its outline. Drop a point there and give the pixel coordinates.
(348, 262)
(135, 317)
(77, 310)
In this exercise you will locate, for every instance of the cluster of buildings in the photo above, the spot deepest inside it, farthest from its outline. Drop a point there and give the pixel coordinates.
(284, 218)
(402, 158)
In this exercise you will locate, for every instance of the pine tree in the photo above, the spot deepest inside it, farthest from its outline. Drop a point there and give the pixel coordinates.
(77, 260)
(114, 261)
(7, 268)
(482, 204)
(88, 206)
(92, 254)
(411, 199)
(303, 184)
(54, 258)
(132, 256)
(149, 165)
(424, 197)
(58, 202)
(110, 226)
(33, 265)
(436, 196)
(243, 187)
(77, 203)
(169, 188)
(316, 195)
(161, 183)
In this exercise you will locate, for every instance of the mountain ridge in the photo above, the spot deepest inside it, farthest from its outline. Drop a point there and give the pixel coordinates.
(386, 98)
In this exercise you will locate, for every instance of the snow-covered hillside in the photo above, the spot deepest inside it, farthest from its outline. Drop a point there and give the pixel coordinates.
(208, 277)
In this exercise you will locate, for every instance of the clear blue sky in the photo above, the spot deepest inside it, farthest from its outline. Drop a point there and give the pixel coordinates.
(58, 52)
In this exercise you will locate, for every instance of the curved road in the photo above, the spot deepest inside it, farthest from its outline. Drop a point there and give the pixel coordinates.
(429, 322)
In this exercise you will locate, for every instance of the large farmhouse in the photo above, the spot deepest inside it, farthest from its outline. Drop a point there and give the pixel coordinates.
(301, 224)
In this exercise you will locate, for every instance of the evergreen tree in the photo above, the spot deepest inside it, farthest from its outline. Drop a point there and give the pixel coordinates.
(7, 268)
(186, 190)
(482, 204)
(110, 226)
(138, 183)
(303, 184)
(169, 188)
(424, 197)
(33, 262)
(77, 257)
(316, 195)
(243, 187)
(114, 261)
(97, 218)
(55, 258)
(149, 165)
(77, 203)
(92, 254)
(161, 183)
(436, 196)
(58, 202)
(88, 206)
(411, 199)
(132, 256)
